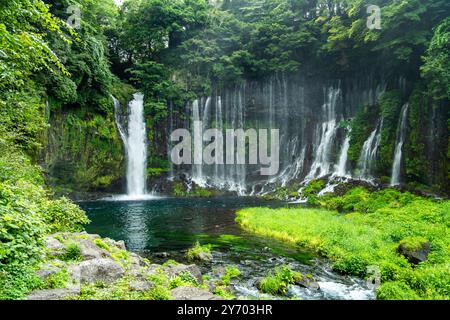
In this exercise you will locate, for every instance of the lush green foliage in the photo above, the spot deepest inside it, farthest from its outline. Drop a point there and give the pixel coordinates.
(276, 283)
(197, 251)
(369, 237)
(437, 62)
(231, 272)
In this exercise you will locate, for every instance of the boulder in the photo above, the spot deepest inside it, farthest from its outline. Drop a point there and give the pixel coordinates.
(53, 294)
(308, 282)
(204, 257)
(137, 260)
(54, 246)
(99, 270)
(121, 245)
(173, 271)
(416, 255)
(90, 250)
(141, 285)
(193, 293)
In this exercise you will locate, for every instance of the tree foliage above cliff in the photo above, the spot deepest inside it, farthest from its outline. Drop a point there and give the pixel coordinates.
(201, 43)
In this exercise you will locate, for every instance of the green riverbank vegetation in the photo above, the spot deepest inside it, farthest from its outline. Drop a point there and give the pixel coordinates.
(362, 230)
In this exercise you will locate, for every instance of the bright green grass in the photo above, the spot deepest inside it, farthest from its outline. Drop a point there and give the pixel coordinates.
(356, 241)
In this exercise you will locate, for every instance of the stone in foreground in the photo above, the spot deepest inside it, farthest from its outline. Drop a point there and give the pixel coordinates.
(193, 293)
(100, 270)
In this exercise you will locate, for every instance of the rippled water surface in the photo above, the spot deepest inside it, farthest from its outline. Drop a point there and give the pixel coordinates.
(164, 228)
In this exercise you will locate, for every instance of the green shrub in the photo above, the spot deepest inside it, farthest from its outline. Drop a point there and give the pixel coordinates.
(396, 291)
(184, 279)
(197, 250)
(63, 215)
(277, 283)
(57, 280)
(231, 272)
(21, 225)
(72, 252)
(17, 280)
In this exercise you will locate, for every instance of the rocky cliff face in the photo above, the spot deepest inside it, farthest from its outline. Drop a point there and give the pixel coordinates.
(317, 119)
(83, 153)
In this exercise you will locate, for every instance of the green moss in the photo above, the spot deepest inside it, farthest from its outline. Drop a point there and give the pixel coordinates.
(169, 263)
(361, 126)
(102, 244)
(120, 290)
(156, 172)
(413, 243)
(121, 256)
(390, 106)
(84, 152)
(180, 190)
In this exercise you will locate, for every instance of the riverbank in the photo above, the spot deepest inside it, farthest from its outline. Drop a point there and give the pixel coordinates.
(82, 266)
(401, 237)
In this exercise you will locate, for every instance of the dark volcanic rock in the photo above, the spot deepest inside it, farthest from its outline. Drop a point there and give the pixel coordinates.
(415, 256)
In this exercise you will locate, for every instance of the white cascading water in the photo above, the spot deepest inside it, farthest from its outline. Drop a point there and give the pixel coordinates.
(308, 124)
(369, 152)
(401, 134)
(341, 167)
(197, 169)
(322, 163)
(120, 128)
(135, 144)
(136, 148)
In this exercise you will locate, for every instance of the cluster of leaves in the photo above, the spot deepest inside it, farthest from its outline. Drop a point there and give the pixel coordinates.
(276, 283)
(197, 251)
(27, 214)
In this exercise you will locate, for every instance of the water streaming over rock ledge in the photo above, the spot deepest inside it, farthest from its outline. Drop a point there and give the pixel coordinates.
(401, 134)
(310, 117)
(135, 142)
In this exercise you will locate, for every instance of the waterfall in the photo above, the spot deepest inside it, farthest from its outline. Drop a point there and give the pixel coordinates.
(322, 163)
(137, 148)
(401, 134)
(366, 163)
(135, 144)
(120, 127)
(341, 167)
(197, 167)
(307, 114)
